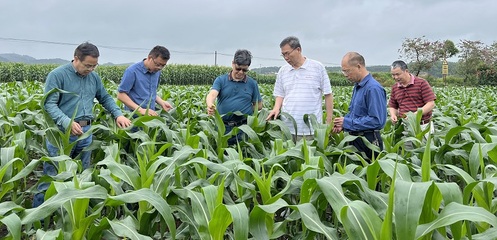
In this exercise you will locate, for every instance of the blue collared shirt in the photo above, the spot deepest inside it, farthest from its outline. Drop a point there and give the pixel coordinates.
(140, 85)
(82, 92)
(368, 107)
(236, 95)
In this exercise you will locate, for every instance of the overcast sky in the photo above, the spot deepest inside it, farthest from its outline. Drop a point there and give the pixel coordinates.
(193, 30)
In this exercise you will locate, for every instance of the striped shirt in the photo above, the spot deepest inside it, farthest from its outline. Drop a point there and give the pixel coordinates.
(302, 90)
(415, 95)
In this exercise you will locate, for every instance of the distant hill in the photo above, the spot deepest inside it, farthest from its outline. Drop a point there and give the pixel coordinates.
(273, 70)
(13, 57)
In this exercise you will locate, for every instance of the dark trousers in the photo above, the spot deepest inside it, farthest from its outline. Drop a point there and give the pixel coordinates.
(230, 124)
(373, 136)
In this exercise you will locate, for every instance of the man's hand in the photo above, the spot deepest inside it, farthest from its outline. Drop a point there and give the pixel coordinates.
(211, 109)
(151, 112)
(338, 124)
(166, 106)
(76, 129)
(123, 122)
(394, 119)
(273, 114)
(337, 129)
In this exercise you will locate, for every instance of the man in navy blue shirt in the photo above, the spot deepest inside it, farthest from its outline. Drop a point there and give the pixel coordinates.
(367, 110)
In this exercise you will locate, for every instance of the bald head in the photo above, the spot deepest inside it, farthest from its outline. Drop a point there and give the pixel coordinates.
(354, 58)
(354, 67)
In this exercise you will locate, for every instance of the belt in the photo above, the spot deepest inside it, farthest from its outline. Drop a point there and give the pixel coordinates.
(83, 123)
(423, 122)
(234, 123)
(362, 133)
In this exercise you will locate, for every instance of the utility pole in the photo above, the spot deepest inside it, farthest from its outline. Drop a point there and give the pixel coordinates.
(215, 58)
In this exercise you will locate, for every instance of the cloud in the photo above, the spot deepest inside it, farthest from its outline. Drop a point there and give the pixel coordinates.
(194, 30)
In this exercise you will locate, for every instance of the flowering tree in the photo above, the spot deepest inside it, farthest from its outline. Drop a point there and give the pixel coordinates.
(421, 54)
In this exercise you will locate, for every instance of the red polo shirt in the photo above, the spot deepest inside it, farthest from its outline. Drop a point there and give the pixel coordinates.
(411, 97)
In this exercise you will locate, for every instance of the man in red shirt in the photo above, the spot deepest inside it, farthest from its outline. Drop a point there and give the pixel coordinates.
(410, 93)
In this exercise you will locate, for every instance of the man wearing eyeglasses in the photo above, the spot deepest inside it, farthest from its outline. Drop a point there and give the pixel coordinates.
(80, 86)
(138, 87)
(299, 89)
(235, 91)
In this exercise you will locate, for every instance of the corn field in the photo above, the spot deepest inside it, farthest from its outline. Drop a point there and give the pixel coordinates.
(177, 178)
(171, 75)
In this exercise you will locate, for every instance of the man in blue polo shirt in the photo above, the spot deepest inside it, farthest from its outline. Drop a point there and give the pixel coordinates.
(235, 91)
(367, 110)
(138, 87)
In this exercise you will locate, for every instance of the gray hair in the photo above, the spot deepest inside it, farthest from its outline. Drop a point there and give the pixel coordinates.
(399, 64)
(292, 41)
(355, 58)
(242, 57)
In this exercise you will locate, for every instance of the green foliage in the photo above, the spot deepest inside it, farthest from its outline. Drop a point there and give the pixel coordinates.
(487, 75)
(384, 78)
(176, 178)
(174, 74)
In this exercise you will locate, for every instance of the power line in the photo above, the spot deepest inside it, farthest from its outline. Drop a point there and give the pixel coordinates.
(137, 49)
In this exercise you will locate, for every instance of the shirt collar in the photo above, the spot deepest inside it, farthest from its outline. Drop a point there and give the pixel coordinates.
(74, 69)
(143, 67)
(409, 83)
(233, 80)
(364, 80)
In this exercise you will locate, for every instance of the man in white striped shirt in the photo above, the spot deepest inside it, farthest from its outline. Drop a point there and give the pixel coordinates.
(299, 89)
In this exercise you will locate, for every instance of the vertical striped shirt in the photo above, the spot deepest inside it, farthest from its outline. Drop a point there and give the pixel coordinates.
(302, 90)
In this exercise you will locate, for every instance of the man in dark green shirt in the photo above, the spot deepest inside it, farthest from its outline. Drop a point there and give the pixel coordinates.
(83, 86)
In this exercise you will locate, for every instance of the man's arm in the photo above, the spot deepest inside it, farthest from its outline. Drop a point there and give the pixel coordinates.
(124, 98)
(259, 105)
(328, 102)
(276, 109)
(428, 107)
(393, 114)
(163, 103)
(210, 101)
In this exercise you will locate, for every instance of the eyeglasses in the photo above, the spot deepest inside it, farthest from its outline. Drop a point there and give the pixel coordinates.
(242, 69)
(88, 66)
(347, 71)
(157, 64)
(286, 54)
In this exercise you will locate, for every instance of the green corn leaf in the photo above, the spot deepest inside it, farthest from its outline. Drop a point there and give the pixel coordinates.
(312, 221)
(360, 221)
(54, 203)
(49, 235)
(150, 197)
(240, 215)
(123, 172)
(126, 228)
(332, 190)
(408, 205)
(402, 170)
(453, 213)
(13, 224)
